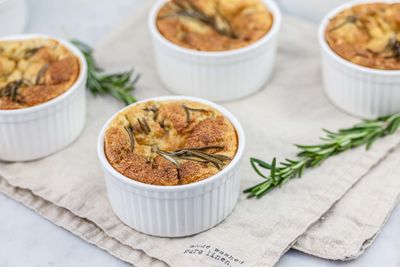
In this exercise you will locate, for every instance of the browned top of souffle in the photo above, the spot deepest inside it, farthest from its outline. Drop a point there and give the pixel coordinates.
(367, 35)
(34, 71)
(170, 142)
(214, 25)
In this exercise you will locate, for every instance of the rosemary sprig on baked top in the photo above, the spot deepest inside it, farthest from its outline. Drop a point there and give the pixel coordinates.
(197, 154)
(188, 110)
(119, 85)
(310, 156)
(10, 90)
(348, 20)
(129, 131)
(394, 46)
(219, 23)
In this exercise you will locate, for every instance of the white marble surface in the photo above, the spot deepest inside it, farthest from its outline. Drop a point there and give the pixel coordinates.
(26, 239)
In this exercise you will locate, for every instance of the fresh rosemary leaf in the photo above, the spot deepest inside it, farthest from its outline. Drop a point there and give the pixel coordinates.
(273, 172)
(254, 162)
(119, 85)
(311, 156)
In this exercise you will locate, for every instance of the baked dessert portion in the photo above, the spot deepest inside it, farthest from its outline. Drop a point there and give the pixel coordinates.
(367, 35)
(214, 25)
(170, 142)
(34, 71)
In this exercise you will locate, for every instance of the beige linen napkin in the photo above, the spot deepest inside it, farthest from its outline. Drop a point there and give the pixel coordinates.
(354, 222)
(68, 187)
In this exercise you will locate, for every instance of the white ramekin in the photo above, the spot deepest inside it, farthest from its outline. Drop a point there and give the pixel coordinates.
(360, 91)
(218, 76)
(38, 131)
(174, 211)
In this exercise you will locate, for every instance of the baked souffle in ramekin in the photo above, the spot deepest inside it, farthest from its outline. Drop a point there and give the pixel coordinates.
(34, 71)
(42, 95)
(214, 25)
(170, 142)
(360, 44)
(216, 49)
(367, 34)
(171, 164)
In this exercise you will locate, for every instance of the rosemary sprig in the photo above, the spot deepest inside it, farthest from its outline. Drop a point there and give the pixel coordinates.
(10, 90)
(394, 47)
(348, 20)
(189, 109)
(310, 156)
(220, 24)
(41, 73)
(31, 52)
(119, 85)
(144, 125)
(195, 154)
(154, 110)
(129, 131)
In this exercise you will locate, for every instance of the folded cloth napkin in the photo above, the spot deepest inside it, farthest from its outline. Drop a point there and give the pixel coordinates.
(68, 187)
(355, 221)
(342, 234)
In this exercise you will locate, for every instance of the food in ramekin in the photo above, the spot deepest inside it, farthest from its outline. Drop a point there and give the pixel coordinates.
(215, 66)
(42, 95)
(170, 142)
(359, 45)
(367, 34)
(171, 205)
(214, 25)
(34, 71)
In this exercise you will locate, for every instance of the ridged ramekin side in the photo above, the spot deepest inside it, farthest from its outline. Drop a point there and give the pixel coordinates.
(35, 135)
(174, 213)
(360, 93)
(218, 76)
(220, 79)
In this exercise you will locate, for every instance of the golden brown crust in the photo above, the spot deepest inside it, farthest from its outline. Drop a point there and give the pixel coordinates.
(367, 35)
(170, 142)
(221, 25)
(34, 71)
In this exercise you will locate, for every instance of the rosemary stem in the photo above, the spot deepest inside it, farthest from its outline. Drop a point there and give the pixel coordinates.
(118, 85)
(310, 156)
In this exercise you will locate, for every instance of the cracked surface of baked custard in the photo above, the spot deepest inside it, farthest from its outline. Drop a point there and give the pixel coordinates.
(367, 35)
(214, 25)
(34, 71)
(171, 142)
